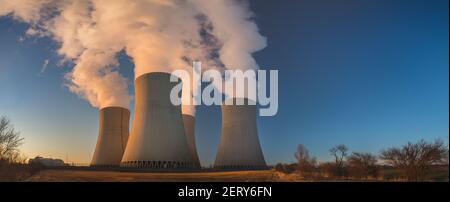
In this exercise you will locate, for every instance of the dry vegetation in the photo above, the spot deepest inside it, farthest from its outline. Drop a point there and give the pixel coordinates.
(439, 173)
(10, 141)
(421, 161)
(120, 176)
(12, 163)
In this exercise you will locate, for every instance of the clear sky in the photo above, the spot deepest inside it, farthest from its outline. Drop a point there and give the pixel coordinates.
(368, 74)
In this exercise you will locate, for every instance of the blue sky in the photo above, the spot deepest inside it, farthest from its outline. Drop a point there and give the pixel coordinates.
(368, 74)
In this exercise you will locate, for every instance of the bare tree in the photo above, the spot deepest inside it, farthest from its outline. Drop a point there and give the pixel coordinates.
(10, 141)
(301, 153)
(362, 165)
(416, 159)
(339, 152)
(305, 164)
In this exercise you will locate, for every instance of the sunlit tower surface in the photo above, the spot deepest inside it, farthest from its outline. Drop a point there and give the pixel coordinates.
(157, 139)
(189, 129)
(112, 136)
(239, 147)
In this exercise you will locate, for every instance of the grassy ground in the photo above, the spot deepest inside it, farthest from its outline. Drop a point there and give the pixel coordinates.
(12, 173)
(122, 176)
(23, 173)
(437, 174)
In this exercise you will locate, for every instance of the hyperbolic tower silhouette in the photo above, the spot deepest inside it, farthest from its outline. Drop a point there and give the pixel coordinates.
(112, 136)
(157, 139)
(239, 146)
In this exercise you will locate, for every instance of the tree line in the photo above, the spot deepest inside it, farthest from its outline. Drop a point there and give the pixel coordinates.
(411, 162)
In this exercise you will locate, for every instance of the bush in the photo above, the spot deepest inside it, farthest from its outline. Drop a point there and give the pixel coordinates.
(286, 168)
(305, 164)
(362, 165)
(415, 159)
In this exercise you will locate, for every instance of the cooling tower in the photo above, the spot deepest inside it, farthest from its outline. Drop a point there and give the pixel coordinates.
(189, 130)
(157, 139)
(239, 146)
(112, 136)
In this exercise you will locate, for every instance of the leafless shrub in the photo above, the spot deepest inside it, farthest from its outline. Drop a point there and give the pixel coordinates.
(415, 159)
(286, 168)
(362, 165)
(305, 164)
(279, 167)
(327, 169)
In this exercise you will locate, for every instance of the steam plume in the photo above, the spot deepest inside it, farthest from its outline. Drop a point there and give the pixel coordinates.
(159, 35)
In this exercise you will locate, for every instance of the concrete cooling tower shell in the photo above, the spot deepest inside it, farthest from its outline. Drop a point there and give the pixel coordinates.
(157, 139)
(112, 136)
(189, 130)
(239, 147)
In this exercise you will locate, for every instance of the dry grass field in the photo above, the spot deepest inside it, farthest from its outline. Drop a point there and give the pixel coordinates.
(68, 175)
(439, 173)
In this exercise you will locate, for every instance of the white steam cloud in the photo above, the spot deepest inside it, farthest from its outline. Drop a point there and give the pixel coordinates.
(159, 36)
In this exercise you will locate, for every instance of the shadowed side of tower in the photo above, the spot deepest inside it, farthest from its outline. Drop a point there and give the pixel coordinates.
(239, 147)
(112, 136)
(157, 139)
(189, 130)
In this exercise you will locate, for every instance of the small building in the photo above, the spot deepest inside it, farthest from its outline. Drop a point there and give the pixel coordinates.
(47, 162)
